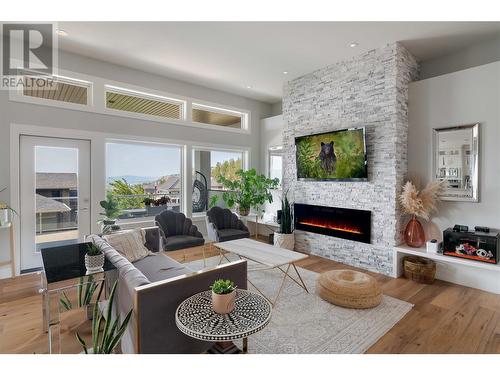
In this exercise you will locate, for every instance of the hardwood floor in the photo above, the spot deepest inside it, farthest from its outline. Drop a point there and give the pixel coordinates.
(446, 318)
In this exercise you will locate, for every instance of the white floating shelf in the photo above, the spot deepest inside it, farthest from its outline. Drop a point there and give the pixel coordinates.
(422, 252)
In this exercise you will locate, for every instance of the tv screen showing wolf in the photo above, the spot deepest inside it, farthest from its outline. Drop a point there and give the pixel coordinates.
(330, 156)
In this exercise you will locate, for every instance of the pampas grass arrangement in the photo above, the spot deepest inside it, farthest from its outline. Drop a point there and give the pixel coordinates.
(422, 203)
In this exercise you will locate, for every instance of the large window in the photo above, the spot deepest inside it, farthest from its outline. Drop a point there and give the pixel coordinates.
(208, 166)
(144, 178)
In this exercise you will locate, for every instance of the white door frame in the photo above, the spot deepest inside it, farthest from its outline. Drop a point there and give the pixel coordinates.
(96, 153)
(30, 257)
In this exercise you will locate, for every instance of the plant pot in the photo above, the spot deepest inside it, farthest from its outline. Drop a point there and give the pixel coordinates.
(244, 211)
(94, 263)
(223, 303)
(284, 240)
(414, 233)
(4, 216)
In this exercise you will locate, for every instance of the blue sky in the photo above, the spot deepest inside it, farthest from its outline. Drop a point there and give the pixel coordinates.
(123, 159)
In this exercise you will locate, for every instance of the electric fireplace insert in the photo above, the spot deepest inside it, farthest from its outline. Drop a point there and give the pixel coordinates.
(339, 222)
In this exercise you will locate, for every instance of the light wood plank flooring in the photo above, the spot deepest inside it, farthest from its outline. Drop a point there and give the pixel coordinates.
(447, 318)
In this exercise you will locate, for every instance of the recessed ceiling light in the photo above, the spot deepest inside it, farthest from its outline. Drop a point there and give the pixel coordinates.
(249, 87)
(285, 72)
(353, 44)
(61, 32)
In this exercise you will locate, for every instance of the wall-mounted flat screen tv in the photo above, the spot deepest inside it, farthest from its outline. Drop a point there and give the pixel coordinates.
(337, 155)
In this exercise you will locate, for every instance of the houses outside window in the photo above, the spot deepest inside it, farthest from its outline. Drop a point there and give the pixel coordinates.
(144, 178)
(208, 166)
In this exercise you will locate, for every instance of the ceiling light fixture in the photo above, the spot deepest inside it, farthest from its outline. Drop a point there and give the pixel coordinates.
(353, 44)
(285, 72)
(61, 32)
(249, 87)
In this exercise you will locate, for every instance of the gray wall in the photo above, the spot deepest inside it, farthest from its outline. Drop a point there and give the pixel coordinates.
(39, 115)
(478, 54)
(464, 97)
(369, 90)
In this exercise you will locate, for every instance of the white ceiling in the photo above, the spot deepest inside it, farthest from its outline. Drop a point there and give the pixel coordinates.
(230, 56)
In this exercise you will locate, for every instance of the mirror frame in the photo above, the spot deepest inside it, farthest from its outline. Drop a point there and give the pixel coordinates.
(475, 162)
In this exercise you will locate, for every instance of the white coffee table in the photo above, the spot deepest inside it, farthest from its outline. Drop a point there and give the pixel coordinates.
(268, 257)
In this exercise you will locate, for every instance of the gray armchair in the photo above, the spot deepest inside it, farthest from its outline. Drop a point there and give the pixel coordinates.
(178, 231)
(223, 225)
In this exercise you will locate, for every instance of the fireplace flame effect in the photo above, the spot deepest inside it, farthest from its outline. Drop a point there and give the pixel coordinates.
(342, 228)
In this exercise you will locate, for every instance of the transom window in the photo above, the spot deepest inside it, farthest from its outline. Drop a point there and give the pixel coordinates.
(204, 114)
(143, 103)
(57, 89)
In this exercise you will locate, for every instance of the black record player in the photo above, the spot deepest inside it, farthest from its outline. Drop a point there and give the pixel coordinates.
(480, 245)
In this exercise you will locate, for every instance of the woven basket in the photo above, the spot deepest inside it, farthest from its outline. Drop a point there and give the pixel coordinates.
(421, 270)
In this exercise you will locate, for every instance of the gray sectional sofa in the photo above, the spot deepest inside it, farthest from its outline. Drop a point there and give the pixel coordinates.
(153, 288)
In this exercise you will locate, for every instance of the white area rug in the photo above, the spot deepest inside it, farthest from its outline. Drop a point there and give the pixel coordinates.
(304, 323)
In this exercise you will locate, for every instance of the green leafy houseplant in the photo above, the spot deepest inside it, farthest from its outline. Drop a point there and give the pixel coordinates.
(223, 296)
(286, 224)
(247, 190)
(111, 212)
(85, 292)
(93, 250)
(106, 340)
(223, 286)
(285, 238)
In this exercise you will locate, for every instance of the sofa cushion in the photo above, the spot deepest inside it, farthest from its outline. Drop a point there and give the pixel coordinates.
(129, 243)
(232, 234)
(159, 267)
(182, 242)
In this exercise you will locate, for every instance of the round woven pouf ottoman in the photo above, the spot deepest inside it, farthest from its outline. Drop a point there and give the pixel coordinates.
(348, 288)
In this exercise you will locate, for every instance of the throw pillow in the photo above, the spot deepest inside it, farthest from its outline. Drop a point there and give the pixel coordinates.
(129, 243)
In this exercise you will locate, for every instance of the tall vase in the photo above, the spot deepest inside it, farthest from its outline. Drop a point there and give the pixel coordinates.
(414, 233)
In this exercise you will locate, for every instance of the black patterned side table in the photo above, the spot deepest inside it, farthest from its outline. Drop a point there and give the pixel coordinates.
(196, 318)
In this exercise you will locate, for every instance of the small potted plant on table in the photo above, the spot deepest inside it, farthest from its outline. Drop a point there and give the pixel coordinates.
(94, 259)
(223, 296)
(285, 238)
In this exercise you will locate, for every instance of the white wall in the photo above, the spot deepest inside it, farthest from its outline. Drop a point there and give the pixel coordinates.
(478, 54)
(271, 135)
(58, 119)
(463, 97)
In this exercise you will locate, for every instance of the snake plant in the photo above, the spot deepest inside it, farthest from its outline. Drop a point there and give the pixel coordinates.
(105, 341)
(84, 293)
(286, 224)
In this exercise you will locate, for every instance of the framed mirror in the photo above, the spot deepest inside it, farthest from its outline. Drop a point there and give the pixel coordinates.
(456, 160)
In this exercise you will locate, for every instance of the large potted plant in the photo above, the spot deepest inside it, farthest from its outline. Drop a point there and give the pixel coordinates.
(248, 190)
(106, 331)
(111, 212)
(285, 238)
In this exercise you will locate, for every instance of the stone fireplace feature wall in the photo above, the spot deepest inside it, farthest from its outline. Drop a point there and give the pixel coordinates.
(370, 90)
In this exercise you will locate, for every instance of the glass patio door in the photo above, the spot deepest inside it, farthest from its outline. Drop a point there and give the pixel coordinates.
(54, 195)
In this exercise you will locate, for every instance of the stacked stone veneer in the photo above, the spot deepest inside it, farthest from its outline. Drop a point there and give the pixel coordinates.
(371, 91)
